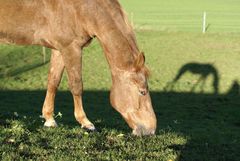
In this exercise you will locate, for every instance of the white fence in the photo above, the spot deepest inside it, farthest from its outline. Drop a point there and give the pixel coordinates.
(201, 22)
(197, 22)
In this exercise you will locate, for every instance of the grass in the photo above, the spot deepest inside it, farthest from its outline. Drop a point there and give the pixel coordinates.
(193, 124)
(185, 15)
(198, 114)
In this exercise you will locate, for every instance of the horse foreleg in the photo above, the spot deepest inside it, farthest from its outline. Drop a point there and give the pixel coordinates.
(72, 57)
(54, 78)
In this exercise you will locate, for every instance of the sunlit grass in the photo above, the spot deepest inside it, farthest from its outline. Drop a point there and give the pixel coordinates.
(192, 124)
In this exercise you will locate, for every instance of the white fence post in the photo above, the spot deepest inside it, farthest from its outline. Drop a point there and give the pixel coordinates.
(132, 23)
(204, 22)
(44, 54)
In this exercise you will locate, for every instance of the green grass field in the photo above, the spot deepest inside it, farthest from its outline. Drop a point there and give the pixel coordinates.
(185, 15)
(198, 115)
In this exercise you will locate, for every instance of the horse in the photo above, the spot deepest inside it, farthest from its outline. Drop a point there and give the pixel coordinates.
(66, 27)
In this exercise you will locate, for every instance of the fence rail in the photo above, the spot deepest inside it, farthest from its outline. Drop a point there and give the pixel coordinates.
(197, 21)
(192, 21)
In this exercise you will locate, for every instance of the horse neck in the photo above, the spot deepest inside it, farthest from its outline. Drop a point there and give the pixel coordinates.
(116, 36)
(119, 52)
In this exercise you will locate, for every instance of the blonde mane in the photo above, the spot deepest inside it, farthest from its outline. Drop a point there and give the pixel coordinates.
(127, 31)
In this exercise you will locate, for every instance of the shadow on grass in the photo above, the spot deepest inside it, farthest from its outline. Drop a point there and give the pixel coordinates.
(203, 70)
(210, 121)
(22, 69)
(29, 104)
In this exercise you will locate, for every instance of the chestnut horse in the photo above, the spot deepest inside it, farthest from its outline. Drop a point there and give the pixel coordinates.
(67, 26)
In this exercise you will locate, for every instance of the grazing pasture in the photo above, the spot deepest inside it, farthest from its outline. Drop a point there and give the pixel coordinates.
(185, 15)
(194, 86)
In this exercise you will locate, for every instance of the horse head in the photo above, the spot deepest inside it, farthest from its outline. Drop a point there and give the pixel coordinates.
(130, 96)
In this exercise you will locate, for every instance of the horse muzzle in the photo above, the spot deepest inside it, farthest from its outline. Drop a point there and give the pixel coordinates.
(143, 131)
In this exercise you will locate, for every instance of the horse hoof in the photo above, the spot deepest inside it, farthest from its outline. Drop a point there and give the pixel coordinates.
(50, 123)
(90, 128)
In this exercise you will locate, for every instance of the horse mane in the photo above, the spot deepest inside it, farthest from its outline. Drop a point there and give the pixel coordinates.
(128, 32)
(119, 8)
(139, 62)
(120, 18)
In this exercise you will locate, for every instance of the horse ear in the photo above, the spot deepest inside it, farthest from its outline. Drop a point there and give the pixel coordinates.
(139, 62)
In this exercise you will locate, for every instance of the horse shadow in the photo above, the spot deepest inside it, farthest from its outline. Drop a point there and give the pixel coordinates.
(203, 70)
(9, 68)
(210, 122)
(17, 105)
(22, 69)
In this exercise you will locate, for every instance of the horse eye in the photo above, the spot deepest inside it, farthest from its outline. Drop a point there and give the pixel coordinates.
(143, 92)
